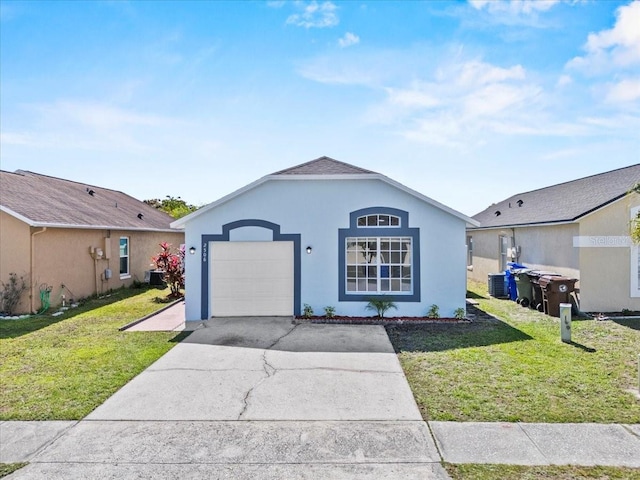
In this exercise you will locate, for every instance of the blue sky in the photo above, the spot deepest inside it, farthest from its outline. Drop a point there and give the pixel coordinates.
(466, 102)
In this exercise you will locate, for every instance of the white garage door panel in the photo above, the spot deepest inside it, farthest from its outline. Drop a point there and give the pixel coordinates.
(251, 278)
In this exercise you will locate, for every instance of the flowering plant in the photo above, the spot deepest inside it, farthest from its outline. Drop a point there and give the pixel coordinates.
(172, 264)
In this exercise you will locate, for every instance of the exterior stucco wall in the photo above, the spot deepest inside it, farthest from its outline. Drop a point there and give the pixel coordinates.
(548, 248)
(15, 253)
(62, 257)
(143, 246)
(316, 210)
(606, 271)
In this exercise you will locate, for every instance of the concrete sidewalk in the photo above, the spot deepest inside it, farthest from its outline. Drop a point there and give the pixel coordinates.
(189, 442)
(170, 319)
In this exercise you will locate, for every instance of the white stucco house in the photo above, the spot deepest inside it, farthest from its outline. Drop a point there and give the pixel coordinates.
(323, 233)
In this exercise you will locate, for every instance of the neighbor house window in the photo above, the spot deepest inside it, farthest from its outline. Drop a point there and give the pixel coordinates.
(379, 265)
(503, 241)
(379, 255)
(124, 257)
(469, 251)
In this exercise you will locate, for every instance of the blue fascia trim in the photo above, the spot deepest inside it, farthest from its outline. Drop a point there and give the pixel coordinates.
(402, 231)
(224, 237)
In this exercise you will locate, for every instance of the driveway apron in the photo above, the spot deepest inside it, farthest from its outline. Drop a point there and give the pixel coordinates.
(256, 398)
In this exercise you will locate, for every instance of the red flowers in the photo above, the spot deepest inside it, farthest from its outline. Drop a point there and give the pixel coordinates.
(172, 264)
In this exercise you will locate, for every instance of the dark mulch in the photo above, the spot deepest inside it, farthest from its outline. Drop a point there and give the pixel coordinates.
(378, 321)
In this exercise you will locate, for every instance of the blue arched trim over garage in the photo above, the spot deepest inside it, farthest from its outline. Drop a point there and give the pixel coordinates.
(224, 237)
(401, 230)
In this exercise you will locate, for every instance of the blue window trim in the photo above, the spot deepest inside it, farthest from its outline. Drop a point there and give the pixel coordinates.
(402, 231)
(224, 237)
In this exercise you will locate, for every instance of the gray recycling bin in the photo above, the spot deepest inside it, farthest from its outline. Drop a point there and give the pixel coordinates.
(524, 287)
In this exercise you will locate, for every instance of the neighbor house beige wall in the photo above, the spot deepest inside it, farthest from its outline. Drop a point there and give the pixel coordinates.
(62, 256)
(606, 271)
(143, 246)
(541, 248)
(15, 252)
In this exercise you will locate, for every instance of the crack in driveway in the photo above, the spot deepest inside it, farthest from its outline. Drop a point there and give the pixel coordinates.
(269, 370)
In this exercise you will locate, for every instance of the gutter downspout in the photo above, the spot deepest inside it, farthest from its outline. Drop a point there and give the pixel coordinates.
(32, 268)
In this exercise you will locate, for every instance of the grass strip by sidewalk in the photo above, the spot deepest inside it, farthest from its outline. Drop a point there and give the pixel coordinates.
(563, 472)
(513, 367)
(8, 468)
(62, 368)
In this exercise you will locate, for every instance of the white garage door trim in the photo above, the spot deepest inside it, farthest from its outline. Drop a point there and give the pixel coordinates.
(252, 278)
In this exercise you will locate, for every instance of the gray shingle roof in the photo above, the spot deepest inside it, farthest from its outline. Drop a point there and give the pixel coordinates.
(45, 200)
(564, 202)
(323, 166)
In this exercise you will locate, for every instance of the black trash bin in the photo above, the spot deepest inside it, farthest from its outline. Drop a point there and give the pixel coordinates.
(536, 291)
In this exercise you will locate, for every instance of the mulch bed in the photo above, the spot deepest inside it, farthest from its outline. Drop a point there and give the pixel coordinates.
(378, 321)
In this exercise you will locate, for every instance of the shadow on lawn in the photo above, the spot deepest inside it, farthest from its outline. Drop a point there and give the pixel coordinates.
(633, 324)
(474, 295)
(436, 337)
(582, 347)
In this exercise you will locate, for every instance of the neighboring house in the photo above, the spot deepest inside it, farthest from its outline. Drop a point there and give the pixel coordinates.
(78, 239)
(579, 229)
(324, 233)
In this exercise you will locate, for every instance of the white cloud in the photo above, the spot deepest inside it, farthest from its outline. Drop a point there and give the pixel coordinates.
(15, 138)
(564, 80)
(624, 91)
(479, 73)
(415, 97)
(314, 15)
(616, 48)
(89, 125)
(513, 7)
(348, 40)
(276, 4)
(463, 101)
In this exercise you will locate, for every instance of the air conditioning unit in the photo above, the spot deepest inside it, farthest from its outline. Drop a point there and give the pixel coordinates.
(496, 284)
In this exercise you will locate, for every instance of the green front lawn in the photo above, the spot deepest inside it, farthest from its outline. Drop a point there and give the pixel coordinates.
(511, 366)
(564, 472)
(61, 368)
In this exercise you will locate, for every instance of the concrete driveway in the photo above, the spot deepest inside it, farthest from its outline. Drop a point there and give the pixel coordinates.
(256, 398)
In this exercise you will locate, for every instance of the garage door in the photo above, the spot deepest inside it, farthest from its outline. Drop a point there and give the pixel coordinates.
(251, 278)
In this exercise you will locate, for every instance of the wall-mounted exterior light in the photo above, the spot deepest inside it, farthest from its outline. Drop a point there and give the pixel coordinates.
(192, 250)
(309, 249)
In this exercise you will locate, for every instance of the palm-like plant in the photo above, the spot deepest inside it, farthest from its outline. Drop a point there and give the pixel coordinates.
(381, 305)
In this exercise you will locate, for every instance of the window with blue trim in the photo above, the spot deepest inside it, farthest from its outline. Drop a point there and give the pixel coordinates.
(379, 255)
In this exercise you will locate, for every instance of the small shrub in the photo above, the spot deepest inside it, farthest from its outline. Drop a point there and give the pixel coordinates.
(381, 305)
(162, 299)
(12, 292)
(459, 313)
(137, 285)
(329, 312)
(434, 311)
(307, 311)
